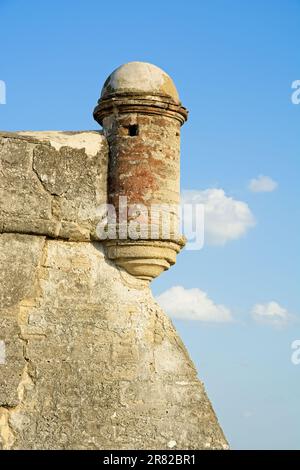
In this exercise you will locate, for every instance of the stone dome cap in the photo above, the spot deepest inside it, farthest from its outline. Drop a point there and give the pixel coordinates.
(140, 78)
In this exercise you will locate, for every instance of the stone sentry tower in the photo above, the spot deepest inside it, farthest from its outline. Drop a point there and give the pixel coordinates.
(141, 115)
(88, 359)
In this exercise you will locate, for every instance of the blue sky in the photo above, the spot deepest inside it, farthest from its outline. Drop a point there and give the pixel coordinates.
(233, 63)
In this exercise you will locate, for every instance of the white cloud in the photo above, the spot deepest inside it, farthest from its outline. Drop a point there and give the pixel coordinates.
(263, 184)
(192, 304)
(225, 218)
(271, 313)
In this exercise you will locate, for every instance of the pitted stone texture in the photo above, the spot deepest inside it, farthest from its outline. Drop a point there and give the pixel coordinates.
(52, 183)
(145, 168)
(20, 257)
(97, 364)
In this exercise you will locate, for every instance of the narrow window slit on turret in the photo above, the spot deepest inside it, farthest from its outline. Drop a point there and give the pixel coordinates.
(133, 130)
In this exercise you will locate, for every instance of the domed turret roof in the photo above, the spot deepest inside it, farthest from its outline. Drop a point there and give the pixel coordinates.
(140, 77)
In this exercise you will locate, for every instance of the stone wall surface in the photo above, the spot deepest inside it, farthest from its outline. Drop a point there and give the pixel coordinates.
(92, 362)
(52, 183)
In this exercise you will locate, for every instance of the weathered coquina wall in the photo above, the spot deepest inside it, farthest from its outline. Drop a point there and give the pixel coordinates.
(91, 361)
